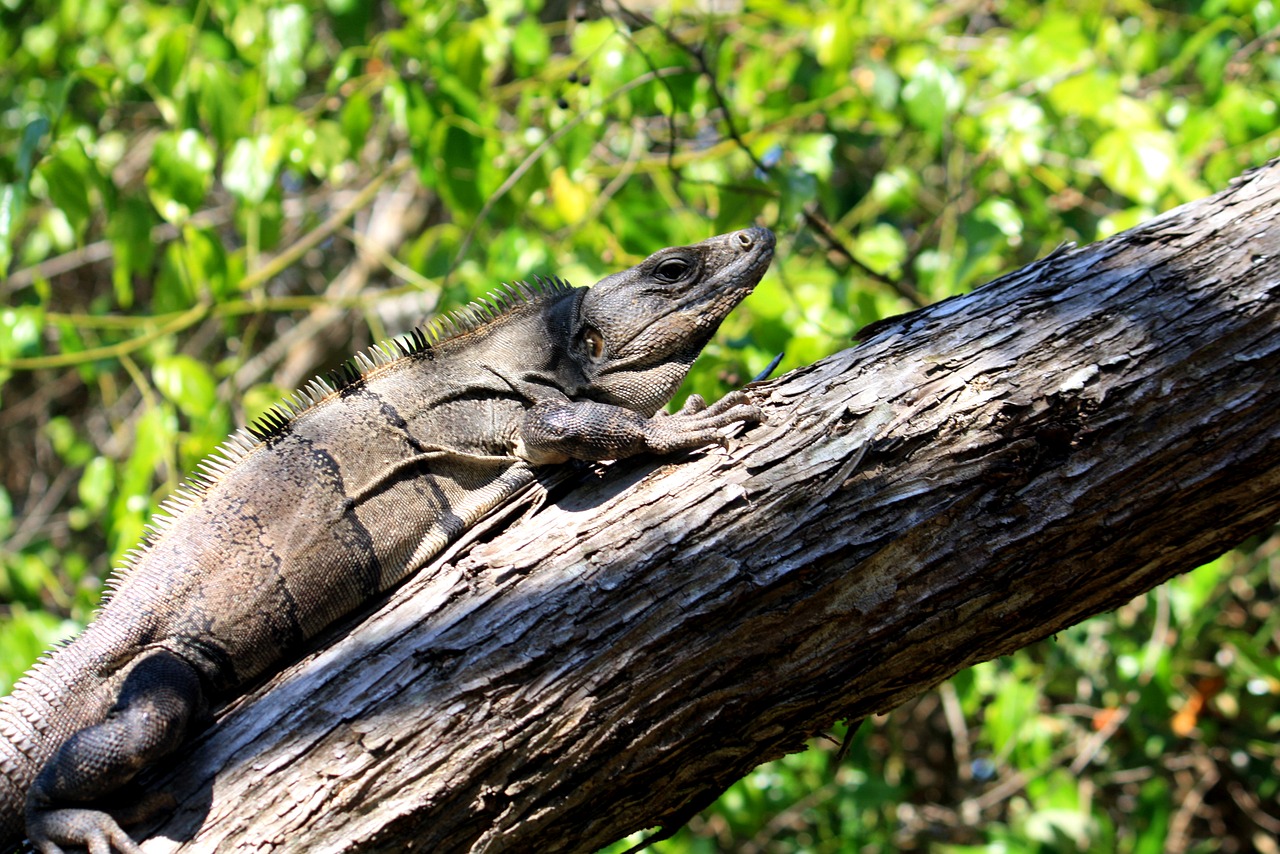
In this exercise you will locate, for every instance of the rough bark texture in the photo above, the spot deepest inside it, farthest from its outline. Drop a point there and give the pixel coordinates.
(973, 477)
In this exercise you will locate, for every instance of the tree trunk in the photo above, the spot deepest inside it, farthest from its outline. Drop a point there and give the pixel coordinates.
(973, 477)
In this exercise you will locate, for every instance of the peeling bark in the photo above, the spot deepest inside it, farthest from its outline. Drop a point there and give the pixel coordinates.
(973, 477)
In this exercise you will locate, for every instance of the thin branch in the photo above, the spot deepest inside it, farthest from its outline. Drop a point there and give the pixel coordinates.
(810, 214)
(536, 154)
(317, 235)
(187, 318)
(201, 309)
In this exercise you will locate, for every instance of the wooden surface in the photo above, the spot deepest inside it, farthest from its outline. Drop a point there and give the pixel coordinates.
(971, 478)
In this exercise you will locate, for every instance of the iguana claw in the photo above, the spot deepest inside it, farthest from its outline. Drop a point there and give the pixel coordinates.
(95, 830)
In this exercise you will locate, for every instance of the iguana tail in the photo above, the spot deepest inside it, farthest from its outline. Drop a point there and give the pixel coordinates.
(35, 719)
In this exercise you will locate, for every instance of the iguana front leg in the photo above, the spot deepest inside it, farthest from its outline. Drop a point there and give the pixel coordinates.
(587, 430)
(149, 719)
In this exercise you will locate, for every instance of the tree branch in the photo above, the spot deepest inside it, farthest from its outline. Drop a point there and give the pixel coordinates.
(973, 477)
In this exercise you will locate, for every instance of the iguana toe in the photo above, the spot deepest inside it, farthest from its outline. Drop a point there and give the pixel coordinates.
(95, 830)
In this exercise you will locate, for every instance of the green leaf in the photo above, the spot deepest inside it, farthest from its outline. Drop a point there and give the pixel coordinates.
(206, 263)
(248, 24)
(13, 196)
(96, 484)
(187, 383)
(169, 60)
(1016, 131)
(129, 229)
(356, 118)
(458, 157)
(1002, 214)
(250, 168)
(531, 45)
(69, 446)
(882, 248)
(1138, 164)
(813, 154)
(175, 289)
(895, 189)
(289, 32)
(20, 328)
(328, 148)
(154, 435)
(930, 96)
(180, 174)
(102, 75)
(68, 177)
(832, 40)
(1085, 95)
(26, 634)
(31, 134)
(221, 102)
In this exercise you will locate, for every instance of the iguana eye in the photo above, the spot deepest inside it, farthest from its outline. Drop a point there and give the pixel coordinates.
(671, 270)
(594, 342)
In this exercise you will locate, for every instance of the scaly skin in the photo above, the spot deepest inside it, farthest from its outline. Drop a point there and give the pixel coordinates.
(342, 493)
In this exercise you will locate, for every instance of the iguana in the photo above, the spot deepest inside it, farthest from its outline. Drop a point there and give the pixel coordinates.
(343, 491)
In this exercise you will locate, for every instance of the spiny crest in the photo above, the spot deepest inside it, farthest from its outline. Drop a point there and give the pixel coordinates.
(493, 305)
(29, 703)
(276, 421)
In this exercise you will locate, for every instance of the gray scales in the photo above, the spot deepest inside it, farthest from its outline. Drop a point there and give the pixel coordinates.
(343, 492)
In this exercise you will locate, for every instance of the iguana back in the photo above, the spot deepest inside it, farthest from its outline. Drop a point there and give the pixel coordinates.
(341, 493)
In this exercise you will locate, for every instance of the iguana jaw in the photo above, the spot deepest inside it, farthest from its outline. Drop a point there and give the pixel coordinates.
(637, 332)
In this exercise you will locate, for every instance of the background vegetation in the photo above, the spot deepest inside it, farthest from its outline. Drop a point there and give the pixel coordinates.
(204, 203)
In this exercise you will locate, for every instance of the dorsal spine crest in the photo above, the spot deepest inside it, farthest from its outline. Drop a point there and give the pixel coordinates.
(277, 421)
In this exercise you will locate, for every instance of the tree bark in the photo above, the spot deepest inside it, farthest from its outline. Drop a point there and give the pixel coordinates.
(971, 478)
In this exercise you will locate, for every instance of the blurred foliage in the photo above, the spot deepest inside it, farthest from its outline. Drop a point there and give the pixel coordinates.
(203, 203)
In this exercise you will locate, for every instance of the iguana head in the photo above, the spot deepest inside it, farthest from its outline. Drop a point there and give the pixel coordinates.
(637, 332)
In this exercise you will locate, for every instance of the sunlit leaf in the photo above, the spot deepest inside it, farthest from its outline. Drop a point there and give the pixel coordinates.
(187, 383)
(1136, 163)
(168, 60)
(881, 248)
(19, 330)
(96, 484)
(289, 33)
(931, 95)
(10, 210)
(250, 168)
(180, 174)
(67, 177)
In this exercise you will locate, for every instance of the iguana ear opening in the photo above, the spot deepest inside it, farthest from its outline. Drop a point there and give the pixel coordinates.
(593, 343)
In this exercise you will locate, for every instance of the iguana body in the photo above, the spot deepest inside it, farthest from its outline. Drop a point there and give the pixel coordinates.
(341, 494)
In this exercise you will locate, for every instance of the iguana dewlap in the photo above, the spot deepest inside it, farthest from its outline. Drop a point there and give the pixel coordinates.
(344, 491)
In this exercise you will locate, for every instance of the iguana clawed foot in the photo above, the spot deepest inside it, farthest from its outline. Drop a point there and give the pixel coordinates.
(588, 430)
(51, 829)
(697, 424)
